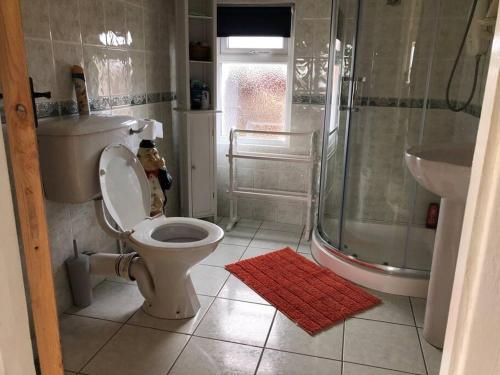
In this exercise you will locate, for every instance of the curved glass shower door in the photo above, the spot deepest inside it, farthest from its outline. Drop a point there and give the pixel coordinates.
(371, 208)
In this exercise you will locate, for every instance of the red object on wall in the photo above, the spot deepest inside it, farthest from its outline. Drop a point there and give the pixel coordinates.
(432, 216)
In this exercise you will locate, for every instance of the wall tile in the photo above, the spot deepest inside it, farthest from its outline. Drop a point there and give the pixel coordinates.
(137, 72)
(119, 72)
(96, 71)
(304, 38)
(320, 76)
(64, 20)
(41, 65)
(35, 16)
(92, 22)
(321, 38)
(135, 27)
(114, 13)
(151, 29)
(65, 56)
(303, 75)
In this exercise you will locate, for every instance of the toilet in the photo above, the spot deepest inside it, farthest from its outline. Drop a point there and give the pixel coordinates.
(168, 246)
(94, 158)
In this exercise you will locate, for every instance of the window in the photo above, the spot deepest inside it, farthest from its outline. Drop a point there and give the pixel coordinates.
(253, 79)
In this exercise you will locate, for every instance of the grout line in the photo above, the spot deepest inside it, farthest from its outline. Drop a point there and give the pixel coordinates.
(103, 319)
(265, 341)
(240, 300)
(106, 343)
(190, 337)
(381, 321)
(182, 351)
(228, 341)
(419, 340)
(381, 368)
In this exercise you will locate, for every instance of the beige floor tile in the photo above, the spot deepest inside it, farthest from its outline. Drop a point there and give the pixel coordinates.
(224, 254)
(138, 350)
(386, 345)
(241, 236)
(238, 290)
(432, 355)
(292, 228)
(354, 369)
(418, 305)
(187, 326)
(112, 301)
(286, 335)
(280, 363)
(240, 322)
(251, 252)
(82, 337)
(393, 309)
(208, 280)
(276, 240)
(207, 357)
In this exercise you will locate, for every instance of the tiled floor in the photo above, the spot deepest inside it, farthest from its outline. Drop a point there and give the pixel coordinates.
(236, 331)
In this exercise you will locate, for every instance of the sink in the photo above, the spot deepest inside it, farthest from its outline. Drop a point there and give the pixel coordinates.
(444, 169)
(441, 168)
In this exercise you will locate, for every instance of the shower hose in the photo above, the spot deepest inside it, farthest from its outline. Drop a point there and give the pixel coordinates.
(455, 64)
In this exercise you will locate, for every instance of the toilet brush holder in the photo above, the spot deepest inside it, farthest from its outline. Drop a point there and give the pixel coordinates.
(79, 278)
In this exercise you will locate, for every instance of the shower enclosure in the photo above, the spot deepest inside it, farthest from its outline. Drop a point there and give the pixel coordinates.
(390, 61)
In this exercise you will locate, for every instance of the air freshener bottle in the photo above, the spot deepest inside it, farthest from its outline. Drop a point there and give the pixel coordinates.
(82, 99)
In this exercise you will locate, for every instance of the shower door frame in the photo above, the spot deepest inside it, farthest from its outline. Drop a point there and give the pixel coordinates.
(324, 238)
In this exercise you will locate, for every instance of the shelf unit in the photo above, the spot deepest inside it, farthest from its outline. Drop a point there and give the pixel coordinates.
(195, 129)
(235, 192)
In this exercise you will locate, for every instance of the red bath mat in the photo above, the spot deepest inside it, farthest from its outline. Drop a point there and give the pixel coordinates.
(313, 297)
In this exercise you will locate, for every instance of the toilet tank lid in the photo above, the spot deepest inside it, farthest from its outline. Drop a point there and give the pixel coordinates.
(81, 125)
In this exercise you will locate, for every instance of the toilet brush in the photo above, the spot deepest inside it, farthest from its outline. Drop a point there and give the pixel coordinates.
(79, 278)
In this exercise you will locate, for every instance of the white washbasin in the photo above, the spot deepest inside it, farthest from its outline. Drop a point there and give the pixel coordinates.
(443, 168)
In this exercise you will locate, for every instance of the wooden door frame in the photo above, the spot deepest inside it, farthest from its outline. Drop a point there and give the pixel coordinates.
(23, 151)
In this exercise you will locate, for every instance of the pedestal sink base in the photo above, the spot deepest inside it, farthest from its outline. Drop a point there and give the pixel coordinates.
(444, 261)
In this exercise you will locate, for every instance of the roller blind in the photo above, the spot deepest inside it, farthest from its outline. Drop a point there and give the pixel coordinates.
(245, 20)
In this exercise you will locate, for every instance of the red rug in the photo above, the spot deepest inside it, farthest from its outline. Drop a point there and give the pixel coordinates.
(312, 296)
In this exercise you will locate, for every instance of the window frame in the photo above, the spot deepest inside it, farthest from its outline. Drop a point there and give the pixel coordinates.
(225, 50)
(257, 56)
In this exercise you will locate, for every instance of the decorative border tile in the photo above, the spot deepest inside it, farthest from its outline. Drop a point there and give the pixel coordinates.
(68, 107)
(101, 103)
(301, 99)
(138, 99)
(47, 109)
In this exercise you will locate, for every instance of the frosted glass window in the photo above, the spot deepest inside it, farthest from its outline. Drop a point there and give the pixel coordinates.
(253, 96)
(255, 42)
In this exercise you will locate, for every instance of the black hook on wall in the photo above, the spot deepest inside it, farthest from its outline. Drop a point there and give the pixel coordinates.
(34, 95)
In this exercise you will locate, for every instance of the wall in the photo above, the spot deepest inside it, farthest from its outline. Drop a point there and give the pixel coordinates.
(309, 64)
(125, 49)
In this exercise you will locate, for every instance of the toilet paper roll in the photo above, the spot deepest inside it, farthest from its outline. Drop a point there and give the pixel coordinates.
(152, 129)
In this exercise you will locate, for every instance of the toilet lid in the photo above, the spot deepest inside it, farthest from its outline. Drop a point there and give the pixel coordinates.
(124, 186)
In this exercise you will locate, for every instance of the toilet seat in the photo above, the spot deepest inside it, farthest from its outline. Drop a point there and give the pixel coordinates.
(126, 194)
(203, 233)
(124, 186)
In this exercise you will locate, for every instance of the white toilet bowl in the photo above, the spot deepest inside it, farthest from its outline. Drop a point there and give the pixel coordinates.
(168, 247)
